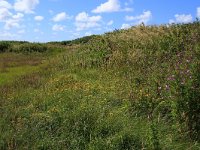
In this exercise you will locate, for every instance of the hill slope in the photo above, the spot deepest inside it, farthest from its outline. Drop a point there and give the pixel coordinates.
(128, 89)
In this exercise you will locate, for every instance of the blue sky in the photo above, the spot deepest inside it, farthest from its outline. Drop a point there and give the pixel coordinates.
(57, 20)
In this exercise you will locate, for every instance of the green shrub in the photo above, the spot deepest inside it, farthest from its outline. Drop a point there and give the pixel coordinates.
(32, 47)
(4, 46)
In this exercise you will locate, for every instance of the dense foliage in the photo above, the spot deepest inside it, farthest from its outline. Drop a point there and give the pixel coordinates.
(4, 46)
(22, 47)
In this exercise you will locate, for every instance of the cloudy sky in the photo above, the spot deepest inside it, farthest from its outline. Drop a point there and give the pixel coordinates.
(56, 20)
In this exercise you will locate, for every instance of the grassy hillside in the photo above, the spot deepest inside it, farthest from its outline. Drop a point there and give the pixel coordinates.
(128, 89)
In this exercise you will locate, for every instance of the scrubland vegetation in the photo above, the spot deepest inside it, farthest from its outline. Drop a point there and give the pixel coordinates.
(124, 90)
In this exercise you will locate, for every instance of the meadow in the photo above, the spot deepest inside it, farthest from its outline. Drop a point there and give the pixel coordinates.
(130, 89)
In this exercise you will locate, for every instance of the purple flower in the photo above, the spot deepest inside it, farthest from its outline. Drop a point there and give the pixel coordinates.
(167, 87)
(172, 78)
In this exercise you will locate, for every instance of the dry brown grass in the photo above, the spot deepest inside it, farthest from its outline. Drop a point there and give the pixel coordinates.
(15, 60)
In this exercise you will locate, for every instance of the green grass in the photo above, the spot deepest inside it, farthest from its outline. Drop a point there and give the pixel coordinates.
(12, 73)
(125, 90)
(13, 65)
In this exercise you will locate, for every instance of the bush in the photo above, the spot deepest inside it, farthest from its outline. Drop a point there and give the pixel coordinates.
(33, 48)
(29, 48)
(4, 46)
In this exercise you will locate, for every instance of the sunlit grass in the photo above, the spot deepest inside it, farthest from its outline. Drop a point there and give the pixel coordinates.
(13, 65)
(15, 72)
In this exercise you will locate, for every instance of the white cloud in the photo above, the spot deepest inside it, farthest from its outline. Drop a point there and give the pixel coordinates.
(110, 6)
(39, 18)
(10, 20)
(198, 12)
(26, 6)
(18, 16)
(14, 21)
(5, 4)
(7, 36)
(83, 26)
(181, 18)
(125, 26)
(58, 27)
(143, 18)
(61, 17)
(11, 23)
(84, 21)
(4, 14)
(110, 23)
(84, 17)
(4, 10)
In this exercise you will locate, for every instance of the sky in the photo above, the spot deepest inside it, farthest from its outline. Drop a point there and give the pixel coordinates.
(60, 20)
